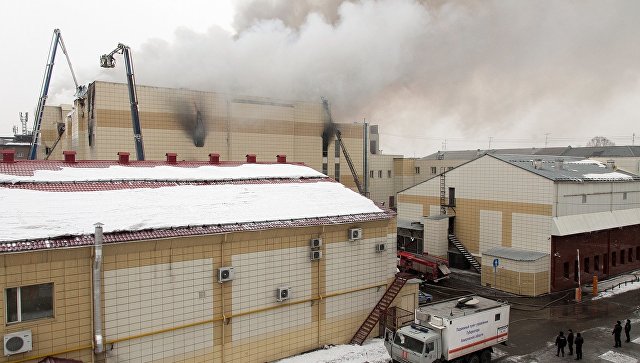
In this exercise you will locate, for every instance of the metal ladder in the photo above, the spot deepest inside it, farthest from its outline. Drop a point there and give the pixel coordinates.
(377, 312)
(472, 260)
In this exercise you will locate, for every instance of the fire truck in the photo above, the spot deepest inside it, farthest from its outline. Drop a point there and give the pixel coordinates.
(425, 266)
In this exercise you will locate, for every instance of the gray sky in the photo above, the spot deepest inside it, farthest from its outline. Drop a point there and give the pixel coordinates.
(469, 73)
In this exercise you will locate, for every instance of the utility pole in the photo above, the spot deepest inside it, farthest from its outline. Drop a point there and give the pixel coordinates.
(490, 142)
(633, 139)
(546, 138)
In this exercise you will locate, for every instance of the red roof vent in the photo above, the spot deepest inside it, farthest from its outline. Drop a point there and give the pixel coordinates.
(282, 158)
(8, 156)
(123, 157)
(214, 158)
(251, 158)
(172, 158)
(69, 156)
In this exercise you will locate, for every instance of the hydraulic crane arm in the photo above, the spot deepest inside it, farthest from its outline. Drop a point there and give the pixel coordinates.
(108, 61)
(354, 173)
(44, 90)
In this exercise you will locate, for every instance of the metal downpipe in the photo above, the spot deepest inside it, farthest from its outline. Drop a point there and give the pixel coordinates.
(97, 291)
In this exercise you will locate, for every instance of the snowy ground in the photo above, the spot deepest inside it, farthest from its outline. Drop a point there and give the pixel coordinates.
(373, 351)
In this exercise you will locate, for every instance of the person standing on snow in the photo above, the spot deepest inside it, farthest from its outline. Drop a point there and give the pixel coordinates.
(627, 329)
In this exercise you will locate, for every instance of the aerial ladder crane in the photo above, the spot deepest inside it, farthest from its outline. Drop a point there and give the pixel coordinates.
(325, 104)
(108, 61)
(44, 90)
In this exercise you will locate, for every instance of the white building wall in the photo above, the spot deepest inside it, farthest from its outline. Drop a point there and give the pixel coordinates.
(492, 180)
(350, 265)
(575, 198)
(150, 298)
(490, 229)
(258, 275)
(381, 188)
(531, 232)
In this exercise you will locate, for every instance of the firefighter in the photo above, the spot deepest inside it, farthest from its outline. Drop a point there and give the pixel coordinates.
(561, 341)
(579, 342)
(617, 330)
(627, 329)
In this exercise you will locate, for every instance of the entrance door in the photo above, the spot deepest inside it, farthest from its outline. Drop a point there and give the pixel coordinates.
(605, 264)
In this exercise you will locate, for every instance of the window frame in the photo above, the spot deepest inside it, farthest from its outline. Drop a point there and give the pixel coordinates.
(19, 298)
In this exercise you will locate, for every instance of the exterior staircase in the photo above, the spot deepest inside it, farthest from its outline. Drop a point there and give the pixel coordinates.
(379, 310)
(472, 260)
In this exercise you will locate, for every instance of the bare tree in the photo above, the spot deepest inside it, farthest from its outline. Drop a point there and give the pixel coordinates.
(600, 141)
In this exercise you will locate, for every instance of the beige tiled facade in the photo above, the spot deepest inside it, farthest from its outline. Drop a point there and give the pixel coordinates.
(162, 301)
(501, 205)
(233, 126)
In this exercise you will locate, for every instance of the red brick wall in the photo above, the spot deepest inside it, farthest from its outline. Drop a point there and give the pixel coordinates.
(603, 244)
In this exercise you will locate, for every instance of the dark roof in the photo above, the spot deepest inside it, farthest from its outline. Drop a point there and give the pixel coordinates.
(514, 254)
(568, 168)
(585, 152)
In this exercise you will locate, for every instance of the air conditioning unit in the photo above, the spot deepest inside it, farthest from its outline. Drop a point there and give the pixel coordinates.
(380, 247)
(316, 255)
(355, 234)
(316, 242)
(284, 293)
(18, 342)
(225, 274)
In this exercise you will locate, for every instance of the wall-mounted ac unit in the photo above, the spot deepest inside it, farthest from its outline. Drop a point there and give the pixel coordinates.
(225, 274)
(316, 255)
(316, 242)
(355, 234)
(380, 247)
(284, 293)
(18, 342)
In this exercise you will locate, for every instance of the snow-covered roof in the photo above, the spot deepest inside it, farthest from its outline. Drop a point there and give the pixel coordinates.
(568, 169)
(514, 254)
(136, 202)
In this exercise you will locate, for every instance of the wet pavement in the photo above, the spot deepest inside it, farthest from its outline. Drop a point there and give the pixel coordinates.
(535, 322)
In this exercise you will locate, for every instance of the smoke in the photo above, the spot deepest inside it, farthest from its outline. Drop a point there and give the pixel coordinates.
(425, 70)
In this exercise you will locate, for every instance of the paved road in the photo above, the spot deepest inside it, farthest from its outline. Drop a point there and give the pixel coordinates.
(535, 323)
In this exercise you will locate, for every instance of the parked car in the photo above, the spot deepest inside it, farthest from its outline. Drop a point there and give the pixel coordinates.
(424, 298)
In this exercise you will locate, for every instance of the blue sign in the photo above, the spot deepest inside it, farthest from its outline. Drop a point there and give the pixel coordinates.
(495, 262)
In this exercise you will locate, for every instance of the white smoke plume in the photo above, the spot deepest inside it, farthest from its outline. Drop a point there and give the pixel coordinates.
(426, 71)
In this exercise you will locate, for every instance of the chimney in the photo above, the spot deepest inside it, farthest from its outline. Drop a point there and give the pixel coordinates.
(282, 159)
(171, 158)
(251, 158)
(537, 164)
(559, 164)
(8, 156)
(214, 158)
(123, 157)
(611, 164)
(69, 156)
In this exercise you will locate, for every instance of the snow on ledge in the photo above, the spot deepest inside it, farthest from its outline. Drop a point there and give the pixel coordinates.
(609, 176)
(172, 173)
(38, 214)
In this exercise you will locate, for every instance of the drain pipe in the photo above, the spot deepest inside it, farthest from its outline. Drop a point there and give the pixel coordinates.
(97, 290)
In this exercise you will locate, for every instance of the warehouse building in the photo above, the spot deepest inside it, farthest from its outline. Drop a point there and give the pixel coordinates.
(199, 261)
(195, 123)
(532, 214)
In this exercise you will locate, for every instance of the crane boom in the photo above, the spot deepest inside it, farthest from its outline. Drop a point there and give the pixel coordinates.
(354, 173)
(108, 61)
(44, 90)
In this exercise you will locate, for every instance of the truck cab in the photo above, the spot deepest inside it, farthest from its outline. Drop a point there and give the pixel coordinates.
(415, 344)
